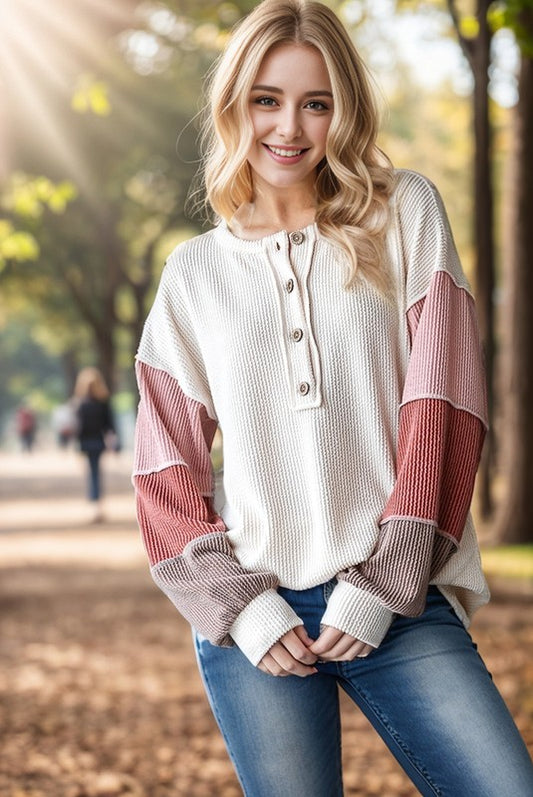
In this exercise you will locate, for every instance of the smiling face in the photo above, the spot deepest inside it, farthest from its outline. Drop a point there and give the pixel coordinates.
(291, 108)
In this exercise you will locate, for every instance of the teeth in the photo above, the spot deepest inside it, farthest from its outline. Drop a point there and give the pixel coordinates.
(285, 153)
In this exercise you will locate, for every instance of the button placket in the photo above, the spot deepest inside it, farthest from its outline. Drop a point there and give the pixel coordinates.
(289, 258)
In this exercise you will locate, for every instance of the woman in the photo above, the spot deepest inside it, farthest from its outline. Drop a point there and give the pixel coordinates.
(94, 425)
(326, 326)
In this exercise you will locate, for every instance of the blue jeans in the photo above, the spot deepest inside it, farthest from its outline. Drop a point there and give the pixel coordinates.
(93, 458)
(425, 690)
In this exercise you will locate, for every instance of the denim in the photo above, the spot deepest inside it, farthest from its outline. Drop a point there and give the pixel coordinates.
(94, 486)
(425, 690)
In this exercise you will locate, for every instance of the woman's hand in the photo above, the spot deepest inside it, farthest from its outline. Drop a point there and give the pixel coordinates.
(335, 645)
(290, 655)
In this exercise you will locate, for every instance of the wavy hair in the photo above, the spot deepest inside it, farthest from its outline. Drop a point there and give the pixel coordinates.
(90, 383)
(354, 180)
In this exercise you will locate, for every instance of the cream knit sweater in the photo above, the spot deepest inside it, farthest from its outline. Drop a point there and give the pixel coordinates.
(352, 428)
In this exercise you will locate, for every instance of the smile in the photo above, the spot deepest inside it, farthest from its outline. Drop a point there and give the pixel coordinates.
(285, 153)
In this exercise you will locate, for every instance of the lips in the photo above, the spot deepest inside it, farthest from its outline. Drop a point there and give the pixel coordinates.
(285, 153)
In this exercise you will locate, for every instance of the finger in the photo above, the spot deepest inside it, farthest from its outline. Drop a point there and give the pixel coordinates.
(269, 665)
(297, 648)
(359, 650)
(302, 635)
(327, 639)
(284, 662)
(365, 652)
(339, 651)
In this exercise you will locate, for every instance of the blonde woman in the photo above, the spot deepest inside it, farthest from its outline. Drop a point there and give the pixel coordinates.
(94, 423)
(326, 326)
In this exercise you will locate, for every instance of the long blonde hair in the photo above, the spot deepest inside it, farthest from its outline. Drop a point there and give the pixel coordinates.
(91, 384)
(355, 179)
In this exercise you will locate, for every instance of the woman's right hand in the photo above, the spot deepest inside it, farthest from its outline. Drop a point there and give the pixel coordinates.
(290, 655)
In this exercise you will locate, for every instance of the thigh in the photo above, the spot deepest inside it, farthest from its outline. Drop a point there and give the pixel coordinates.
(282, 734)
(428, 693)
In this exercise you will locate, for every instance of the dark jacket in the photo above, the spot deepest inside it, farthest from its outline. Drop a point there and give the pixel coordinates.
(95, 420)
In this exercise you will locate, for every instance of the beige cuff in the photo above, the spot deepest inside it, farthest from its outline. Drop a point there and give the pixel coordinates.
(259, 626)
(358, 613)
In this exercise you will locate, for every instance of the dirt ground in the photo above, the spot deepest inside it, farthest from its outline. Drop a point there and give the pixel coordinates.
(98, 686)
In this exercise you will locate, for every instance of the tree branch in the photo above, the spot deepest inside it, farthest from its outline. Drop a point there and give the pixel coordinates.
(466, 45)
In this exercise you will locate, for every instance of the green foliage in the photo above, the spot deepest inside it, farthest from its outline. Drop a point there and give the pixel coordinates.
(26, 198)
(28, 373)
(469, 27)
(518, 16)
(16, 245)
(91, 95)
(29, 196)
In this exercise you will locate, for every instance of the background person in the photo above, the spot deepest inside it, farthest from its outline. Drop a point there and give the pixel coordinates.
(64, 423)
(26, 426)
(94, 424)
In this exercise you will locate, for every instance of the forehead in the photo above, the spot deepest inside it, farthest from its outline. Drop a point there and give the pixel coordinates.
(292, 63)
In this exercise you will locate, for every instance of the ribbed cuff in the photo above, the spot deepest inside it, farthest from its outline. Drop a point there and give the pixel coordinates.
(357, 613)
(259, 626)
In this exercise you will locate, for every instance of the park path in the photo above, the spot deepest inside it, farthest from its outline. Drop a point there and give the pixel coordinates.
(99, 693)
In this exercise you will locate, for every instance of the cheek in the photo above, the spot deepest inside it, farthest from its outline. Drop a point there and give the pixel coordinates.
(259, 124)
(322, 130)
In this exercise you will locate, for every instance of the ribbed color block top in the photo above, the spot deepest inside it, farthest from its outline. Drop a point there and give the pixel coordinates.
(352, 429)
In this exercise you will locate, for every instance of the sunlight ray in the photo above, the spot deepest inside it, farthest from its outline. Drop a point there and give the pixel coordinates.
(53, 137)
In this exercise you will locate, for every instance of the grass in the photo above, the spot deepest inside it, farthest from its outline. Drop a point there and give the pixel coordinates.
(512, 561)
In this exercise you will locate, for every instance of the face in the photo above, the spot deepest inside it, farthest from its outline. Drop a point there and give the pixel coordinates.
(291, 108)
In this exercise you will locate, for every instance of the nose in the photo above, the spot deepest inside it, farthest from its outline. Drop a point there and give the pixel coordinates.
(289, 126)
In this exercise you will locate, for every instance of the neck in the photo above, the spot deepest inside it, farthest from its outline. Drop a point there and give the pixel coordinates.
(273, 210)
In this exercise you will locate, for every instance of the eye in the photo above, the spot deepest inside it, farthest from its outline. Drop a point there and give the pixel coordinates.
(317, 105)
(268, 102)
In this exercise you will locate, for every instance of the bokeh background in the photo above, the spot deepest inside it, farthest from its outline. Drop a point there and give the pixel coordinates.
(99, 120)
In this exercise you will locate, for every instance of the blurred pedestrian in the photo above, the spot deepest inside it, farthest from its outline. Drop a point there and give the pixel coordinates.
(327, 326)
(64, 423)
(95, 426)
(26, 426)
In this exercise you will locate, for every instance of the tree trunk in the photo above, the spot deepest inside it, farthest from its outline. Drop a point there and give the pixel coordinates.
(483, 234)
(515, 524)
(477, 53)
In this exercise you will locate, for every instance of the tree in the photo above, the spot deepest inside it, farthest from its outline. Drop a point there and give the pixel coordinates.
(111, 112)
(514, 518)
(474, 35)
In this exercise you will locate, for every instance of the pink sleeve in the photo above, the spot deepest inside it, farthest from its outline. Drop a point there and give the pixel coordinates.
(441, 430)
(191, 557)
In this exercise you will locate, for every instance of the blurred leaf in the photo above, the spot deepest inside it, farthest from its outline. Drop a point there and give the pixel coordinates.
(16, 245)
(27, 196)
(469, 27)
(497, 17)
(91, 95)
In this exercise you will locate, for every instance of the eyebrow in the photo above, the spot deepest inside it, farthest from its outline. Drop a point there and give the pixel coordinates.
(275, 90)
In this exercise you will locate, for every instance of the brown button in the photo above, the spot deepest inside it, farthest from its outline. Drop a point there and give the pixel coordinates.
(290, 286)
(304, 388)
(278, 247)
(297, 335)
(297, 237)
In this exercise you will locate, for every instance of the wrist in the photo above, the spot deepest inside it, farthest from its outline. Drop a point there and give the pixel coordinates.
(358, 613)
(262, 623)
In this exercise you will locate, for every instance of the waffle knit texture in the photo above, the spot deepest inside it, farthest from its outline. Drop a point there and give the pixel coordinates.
(352, 429)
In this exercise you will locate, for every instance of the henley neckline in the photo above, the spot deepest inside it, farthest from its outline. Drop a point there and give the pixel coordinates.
(226, 236)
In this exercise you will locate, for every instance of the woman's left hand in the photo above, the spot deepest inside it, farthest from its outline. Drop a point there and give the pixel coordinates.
(335, 645)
